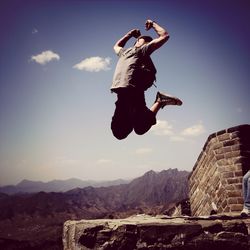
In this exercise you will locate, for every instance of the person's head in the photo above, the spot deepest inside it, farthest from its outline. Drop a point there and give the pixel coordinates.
(141, 40)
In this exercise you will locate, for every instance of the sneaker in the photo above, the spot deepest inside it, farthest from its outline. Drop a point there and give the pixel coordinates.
(164, 100)
(245, 212)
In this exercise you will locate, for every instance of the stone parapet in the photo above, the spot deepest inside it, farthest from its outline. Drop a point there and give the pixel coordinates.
(162, 232)
(215, 183)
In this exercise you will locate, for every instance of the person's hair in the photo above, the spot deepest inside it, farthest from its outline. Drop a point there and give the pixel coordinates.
(147, 39)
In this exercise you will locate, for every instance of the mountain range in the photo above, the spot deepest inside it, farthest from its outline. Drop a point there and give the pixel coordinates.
(27, 186)
(38, 217)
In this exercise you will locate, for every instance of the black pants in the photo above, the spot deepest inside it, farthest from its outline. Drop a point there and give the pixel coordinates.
(131, 113)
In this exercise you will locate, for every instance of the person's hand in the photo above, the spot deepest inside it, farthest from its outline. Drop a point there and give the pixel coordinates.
(148, 24)
(135, 33)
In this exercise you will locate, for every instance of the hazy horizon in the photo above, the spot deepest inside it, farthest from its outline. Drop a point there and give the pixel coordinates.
(91, 180)
(56, 68)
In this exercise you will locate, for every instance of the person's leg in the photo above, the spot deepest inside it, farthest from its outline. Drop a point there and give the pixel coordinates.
(121, 124)
(156, 107)
(246, 189)
(245, 184)
(246, 193)
(162, 100)
(144, 118)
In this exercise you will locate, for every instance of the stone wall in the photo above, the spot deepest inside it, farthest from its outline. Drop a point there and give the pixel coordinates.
(157, 233)
(215, 183)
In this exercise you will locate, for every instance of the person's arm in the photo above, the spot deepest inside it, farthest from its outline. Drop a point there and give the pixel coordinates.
(122, 41)
(162, 33)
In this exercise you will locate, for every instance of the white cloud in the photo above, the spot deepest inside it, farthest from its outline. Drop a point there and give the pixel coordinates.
(177, 138)
(143, 151)
(94, 64)
(103, 161)
(34, 31)
(64, 160)
(162, 128)
(194, 130)
(45, 57)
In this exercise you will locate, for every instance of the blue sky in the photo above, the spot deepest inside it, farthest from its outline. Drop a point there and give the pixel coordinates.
(56, 68)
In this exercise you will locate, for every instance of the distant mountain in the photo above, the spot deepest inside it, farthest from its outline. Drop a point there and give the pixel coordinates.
(167, 186)
(151, 189)
(34, 220)
(27, 186)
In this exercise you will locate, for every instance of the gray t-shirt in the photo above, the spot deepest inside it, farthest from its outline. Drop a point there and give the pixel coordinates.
(130, 59)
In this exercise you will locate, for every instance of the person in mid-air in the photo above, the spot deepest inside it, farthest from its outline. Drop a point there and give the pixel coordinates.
(134, 74)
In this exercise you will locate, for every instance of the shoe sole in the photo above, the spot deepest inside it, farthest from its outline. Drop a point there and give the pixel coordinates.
(171, 100)
(174, 101)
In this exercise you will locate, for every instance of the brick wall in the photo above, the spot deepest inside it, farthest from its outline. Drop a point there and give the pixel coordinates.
(215, 182)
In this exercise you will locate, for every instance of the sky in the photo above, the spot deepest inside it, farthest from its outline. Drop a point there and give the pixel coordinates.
(56, 68)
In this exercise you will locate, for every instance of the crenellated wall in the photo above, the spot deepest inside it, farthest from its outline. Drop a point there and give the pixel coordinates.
(215, 183)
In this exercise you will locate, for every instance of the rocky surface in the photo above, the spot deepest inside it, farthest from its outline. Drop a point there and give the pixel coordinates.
(161, 232)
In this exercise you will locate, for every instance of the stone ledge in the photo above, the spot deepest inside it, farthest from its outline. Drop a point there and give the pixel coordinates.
(161, 232)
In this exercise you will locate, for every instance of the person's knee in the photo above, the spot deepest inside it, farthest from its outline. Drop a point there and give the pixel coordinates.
(141, 131)
(120, 136)
(144, 121)
(120, 132)
(141, 128)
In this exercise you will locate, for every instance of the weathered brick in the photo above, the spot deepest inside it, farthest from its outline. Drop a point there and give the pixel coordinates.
(238, 173)
(232, 168)
(235, 193)
(212, 171)
(224, 204)
(236, 147)
(240, 200)
(227, 175)
(238, 186)
(235, 207)
(224, 182)
(233, 154)
(227, 149)
(212, 142)
(226, 209)
(236, 167)
(231, 142)
(233, 180)
(219, 157)
(221, 192)
(230, 187)
(221, 132)
(222, 168)
(232, 201)
(224, 137)
(222, 162)
(235, 134)
(217, 145)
